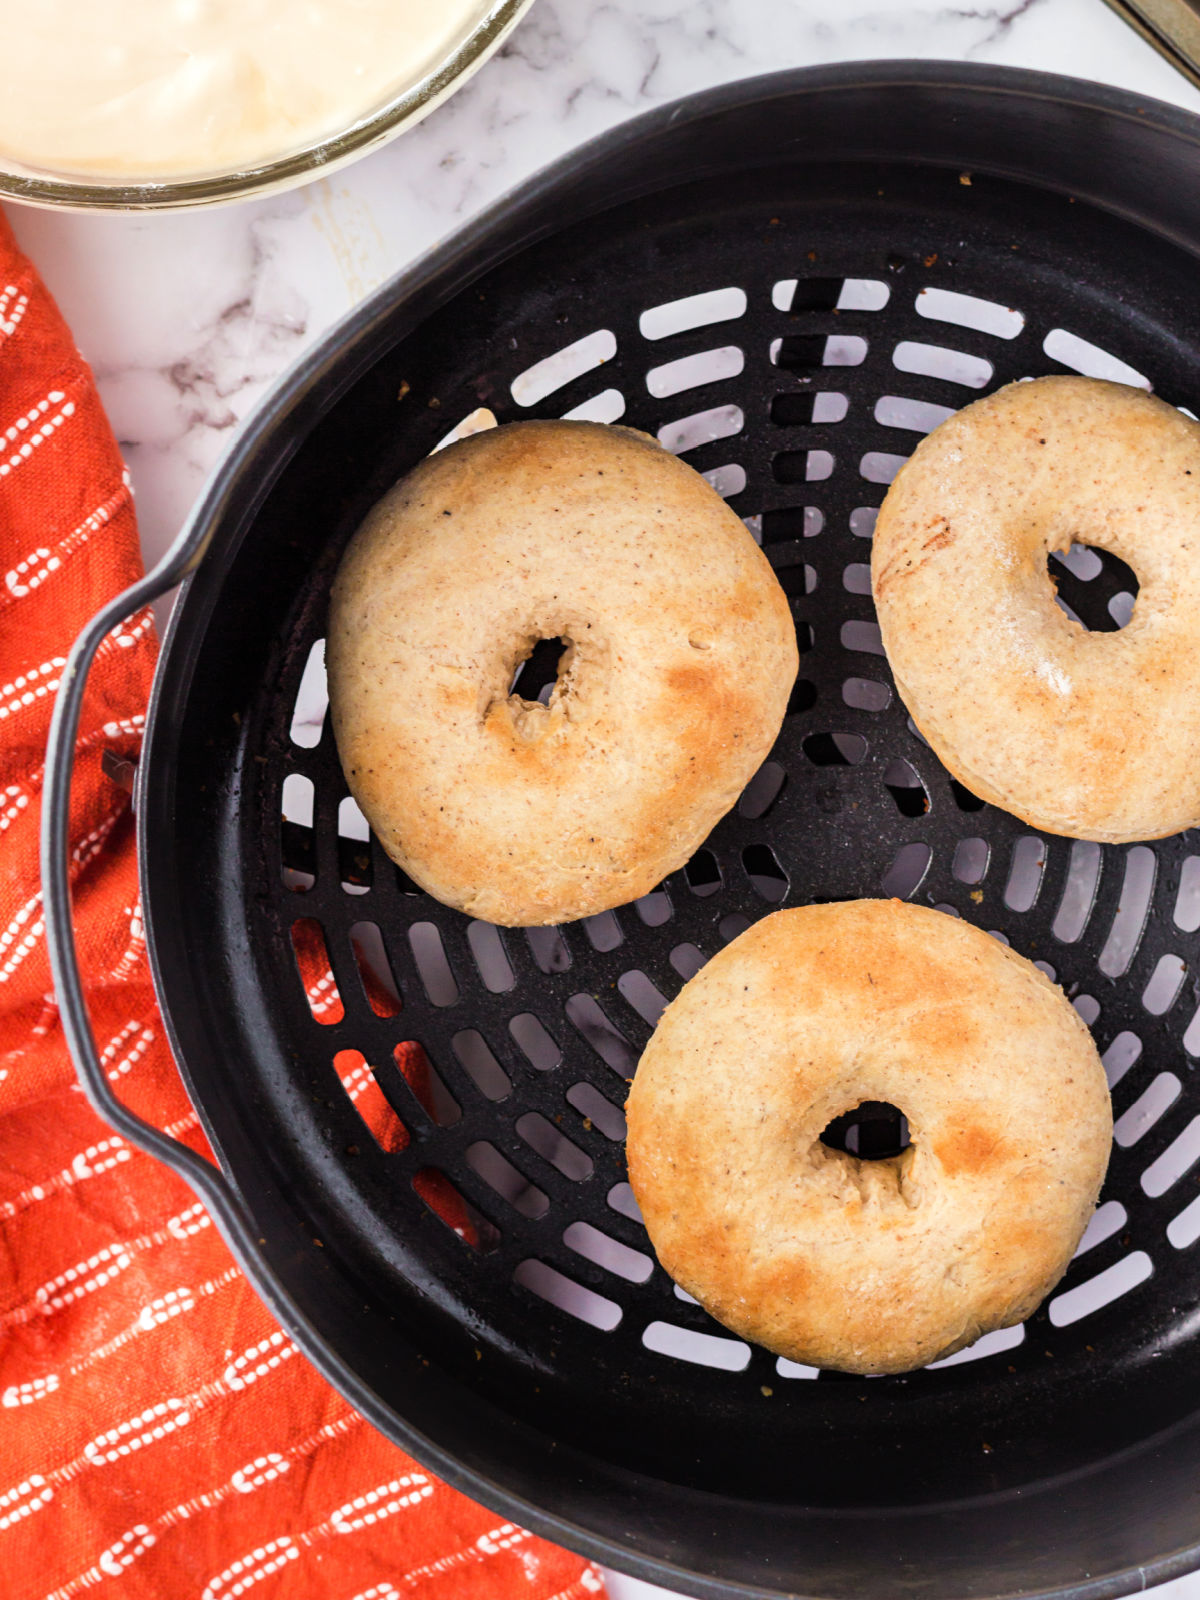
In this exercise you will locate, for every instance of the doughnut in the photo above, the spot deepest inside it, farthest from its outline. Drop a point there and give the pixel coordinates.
(867, 1266)
(1087, 734)
(680, 653)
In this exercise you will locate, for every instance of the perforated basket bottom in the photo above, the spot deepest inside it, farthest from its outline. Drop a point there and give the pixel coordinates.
(452, 1094)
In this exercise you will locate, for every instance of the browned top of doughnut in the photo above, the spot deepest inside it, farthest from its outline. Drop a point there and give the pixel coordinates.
(1086, 734)
(681, 656)
(868, 1266)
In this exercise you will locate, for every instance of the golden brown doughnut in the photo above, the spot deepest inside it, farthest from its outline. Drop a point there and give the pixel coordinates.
(868, 1266)
(1092, 735)
(680, 656)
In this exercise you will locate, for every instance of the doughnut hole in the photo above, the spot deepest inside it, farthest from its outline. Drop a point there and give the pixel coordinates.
(874, 1130)
(536, 672)
(1104, 608)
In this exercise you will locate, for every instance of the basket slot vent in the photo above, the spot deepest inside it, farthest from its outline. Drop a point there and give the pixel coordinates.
(802, 698)
(692, 372)
(1106, 1220)
(459, 1215)
(856, 578)
(374, 969)
(731, 926)
(763, 790)
(1130, 921)
(1191, 1037)
(601, 1113)
(1184, 1229)
(862, 521)
(555, 371)
(614, 1257)
(767, 877)
(961, 795)
(535, 1042)
(727, 480)
(1120, 1056)
(702, 427)
(477, 1061)
(701, 1349)
(620, 1198)
(428, 1090)
(803, 466)
(917, 416)
(316, 975)
(1080, 560)
(549, 949)
(969, 311)
(613, 1048)
(478, 420)
(354, 851)
(546, 1141)
(607, 406)
(654, 908)
(1178, 1158)
(903, 783)
(1069, 350)
(1101, 1290)
(935, 361)
(971, 858)
(312, 700)
(1088, 1007)
(991, 1344)
(694, 311)
(429, 953)
(299, 853)
(795, 1369)
(866, 694)
(830, 294)
(297, 802)
(1187, 902)
(1145, 1111)
(788, 523)
(835, 749)
(687, 959)
(1120, 607)
(703, 873)
(1025, 873)
(490, 956)
(603, 931)
(903, 878)
(862, 636)
(1079, 891)
(369, 1100)
(567, 1295)
(498, 1172)
(879, 466)
(642, 995)
(1166, 981)
(807, 352)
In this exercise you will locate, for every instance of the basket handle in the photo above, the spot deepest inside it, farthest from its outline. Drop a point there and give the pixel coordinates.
(203, 1177)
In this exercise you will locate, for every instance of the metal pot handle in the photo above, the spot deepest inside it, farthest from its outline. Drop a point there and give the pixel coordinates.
(202, 1176)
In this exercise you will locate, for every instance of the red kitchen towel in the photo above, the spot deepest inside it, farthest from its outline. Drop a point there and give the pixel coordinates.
(160, 1437)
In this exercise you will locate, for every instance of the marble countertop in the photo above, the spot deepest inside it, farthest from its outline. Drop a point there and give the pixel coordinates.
(187, 318)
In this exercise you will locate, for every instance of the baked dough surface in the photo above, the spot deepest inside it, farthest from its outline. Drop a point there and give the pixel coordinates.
(1092, 735)
(681, 653)
(868, 1266)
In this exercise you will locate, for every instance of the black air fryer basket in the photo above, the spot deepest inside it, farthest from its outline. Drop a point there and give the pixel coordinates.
(789, 280)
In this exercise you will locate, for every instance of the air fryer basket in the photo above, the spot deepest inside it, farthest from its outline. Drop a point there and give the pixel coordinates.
(871, 248)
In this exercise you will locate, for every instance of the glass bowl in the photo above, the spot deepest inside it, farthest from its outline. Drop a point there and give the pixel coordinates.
(477, 41)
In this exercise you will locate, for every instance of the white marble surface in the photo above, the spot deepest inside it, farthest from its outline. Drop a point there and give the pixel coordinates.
(187, 318)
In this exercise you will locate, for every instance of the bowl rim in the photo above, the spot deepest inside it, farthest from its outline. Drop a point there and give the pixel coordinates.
(45, 189)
